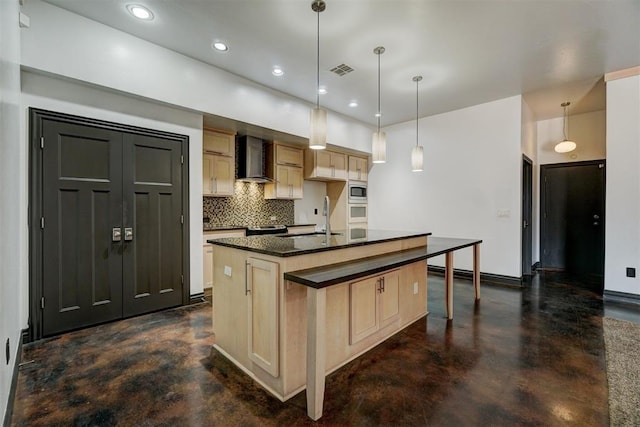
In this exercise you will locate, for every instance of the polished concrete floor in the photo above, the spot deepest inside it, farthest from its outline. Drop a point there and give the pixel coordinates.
(520, 357)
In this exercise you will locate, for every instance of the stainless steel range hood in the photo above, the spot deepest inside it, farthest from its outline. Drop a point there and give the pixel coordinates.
(251, 160)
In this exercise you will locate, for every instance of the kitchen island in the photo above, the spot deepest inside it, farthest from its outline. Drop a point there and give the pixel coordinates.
(290, 309)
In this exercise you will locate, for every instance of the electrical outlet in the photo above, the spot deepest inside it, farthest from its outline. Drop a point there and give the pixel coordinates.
(227, 270)
(315, 211)
(415, 288)
(631, 272)
(8, 348)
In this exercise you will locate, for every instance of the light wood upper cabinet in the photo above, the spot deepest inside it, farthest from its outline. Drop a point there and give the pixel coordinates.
(289, 156)
(358, 168)
(374, 304)
(284, 165)
(218, 175)
(325, 165)
(218, 143)
(262, 293)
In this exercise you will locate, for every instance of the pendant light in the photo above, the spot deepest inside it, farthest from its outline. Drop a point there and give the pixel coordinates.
(379, 140)
(565, 145)
(318, 123)
(417, 154)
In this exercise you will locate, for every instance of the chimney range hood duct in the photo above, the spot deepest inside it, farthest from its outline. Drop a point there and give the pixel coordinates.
(251, 160)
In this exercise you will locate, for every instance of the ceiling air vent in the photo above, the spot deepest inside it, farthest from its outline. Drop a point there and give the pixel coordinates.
(341, 69)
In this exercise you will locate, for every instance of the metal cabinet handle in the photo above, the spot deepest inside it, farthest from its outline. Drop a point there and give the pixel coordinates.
(128, 234)
(116, 234)
(246, 278)
(382, 278)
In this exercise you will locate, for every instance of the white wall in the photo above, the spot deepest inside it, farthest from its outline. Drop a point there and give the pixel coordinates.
(587, 130)
(13, 213)
(314, 192)
(68, 97)
(530, 149)
(622, 241)
(472, 171)
(63, 43)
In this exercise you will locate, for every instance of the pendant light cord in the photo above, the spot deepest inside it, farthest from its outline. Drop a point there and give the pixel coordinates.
(379, 112)
(564, 123)
(417, 83)
(318, 62)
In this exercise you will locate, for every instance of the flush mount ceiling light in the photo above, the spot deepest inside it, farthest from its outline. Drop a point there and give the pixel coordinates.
(140, 12)
(318, 124)
(220, 46)
(565, 145)
(379, 139)
(277, 71)
(353, 103)
(322, 90)
(417, 154)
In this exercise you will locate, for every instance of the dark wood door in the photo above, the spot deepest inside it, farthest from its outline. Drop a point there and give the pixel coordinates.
(152, 224)
(527, 234)
(112, 209)
(573, 215)
(82, 204)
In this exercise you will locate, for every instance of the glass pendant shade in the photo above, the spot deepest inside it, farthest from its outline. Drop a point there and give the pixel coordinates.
(379, 147)
(565, 146)
(417, 158)
(318, 129)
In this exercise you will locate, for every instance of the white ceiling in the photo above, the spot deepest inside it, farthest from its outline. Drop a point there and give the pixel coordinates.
(468, 52)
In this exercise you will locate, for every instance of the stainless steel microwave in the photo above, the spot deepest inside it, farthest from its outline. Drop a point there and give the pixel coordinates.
(357, 192)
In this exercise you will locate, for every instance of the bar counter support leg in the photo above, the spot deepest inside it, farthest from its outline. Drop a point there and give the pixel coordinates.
(448, 279)
(316, 351)
(476, 270)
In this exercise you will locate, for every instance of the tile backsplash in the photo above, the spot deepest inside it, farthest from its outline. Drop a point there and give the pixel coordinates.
(247, 207)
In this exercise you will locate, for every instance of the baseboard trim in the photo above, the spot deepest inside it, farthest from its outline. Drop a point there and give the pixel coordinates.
(197, 298)
(621, 297)
(499, 279)
(14, 380)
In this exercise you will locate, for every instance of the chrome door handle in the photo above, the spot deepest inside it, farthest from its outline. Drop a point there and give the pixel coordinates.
(128, 234)
(116, 234)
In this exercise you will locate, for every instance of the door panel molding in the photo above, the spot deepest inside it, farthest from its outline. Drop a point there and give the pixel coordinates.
(37, 120)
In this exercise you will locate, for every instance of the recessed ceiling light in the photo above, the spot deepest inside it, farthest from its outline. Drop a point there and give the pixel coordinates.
(277, 71)
(140, 12)
(322, 90)
(353, 103)
(220, 46)
(378, 114)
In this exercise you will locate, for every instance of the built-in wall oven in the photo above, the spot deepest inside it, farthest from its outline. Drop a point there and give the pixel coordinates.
(357, 213)
(357, 192)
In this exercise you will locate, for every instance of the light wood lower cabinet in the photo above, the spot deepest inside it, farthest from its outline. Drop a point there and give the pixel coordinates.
(374, 304)
(262, 282)
(208, 265)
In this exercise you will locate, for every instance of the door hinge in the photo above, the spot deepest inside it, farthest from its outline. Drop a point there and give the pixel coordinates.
(42, 303)
(182, 279)
(181, 159)
(181, 219)
(42, 222)
(41, 142)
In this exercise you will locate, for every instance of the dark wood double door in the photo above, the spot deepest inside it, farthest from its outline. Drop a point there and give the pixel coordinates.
(111, 224)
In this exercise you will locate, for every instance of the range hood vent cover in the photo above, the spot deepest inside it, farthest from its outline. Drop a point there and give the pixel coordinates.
(251, 160)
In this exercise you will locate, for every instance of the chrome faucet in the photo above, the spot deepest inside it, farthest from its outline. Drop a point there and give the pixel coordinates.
(327, 225)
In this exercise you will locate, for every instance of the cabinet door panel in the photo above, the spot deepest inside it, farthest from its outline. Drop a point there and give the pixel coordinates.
(207, 174)
(297, 182)
(208, 265)
(262, 286)
(224, 175)
(218, 143)
(289, 156)
(364, 312)
(323, 164)
(339, 166)
(389, 298)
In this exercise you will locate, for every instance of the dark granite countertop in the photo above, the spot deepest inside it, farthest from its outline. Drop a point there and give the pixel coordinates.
(277, 245)
(244, 227)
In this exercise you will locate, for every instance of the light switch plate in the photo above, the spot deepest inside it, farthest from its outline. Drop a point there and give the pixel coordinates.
(227, 270)
(415, 288)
